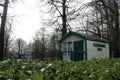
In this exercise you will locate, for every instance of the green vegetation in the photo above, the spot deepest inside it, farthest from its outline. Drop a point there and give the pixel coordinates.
(95, 69)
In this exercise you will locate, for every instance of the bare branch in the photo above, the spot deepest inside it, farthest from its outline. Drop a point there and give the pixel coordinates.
(103, 2)
(57, 8)
(1, 5)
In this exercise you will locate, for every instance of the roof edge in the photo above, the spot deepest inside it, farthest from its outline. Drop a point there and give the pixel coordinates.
(84, 37)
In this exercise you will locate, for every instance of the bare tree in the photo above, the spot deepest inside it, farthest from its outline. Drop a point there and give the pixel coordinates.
(39, 44)
(106, 22)
(3, 22)
(7, 38)
(64, 12)
(18, 47)
(3, 29)
(53, 45)
(36, 49)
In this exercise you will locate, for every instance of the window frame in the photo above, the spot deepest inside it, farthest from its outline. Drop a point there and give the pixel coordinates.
(69, 48)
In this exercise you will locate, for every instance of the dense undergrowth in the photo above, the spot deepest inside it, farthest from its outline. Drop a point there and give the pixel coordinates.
(95, 69)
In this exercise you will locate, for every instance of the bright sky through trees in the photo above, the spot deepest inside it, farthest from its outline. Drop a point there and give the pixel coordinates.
(27, 19)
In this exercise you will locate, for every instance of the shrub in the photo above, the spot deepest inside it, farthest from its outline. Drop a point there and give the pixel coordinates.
(95, 69)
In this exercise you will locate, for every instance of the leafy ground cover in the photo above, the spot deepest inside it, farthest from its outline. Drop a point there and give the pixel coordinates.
(95, 69)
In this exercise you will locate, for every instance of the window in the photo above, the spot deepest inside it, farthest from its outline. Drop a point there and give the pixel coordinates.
(64, 47)
(67, 48)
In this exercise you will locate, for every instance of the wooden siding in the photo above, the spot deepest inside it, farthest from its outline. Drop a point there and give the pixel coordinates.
(97, 52)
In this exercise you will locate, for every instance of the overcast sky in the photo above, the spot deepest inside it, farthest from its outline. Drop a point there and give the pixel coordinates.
(27, 19)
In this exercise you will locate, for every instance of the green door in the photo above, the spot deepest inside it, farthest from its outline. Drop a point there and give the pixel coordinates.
(78, 50)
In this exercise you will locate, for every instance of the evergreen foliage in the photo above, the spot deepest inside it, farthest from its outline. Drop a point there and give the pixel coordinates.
(95, 69)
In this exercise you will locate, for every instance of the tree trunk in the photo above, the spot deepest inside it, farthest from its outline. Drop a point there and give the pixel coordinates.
(6, 48)
(64, 28)
(3, 30)
(116, 30)
(19, 48)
